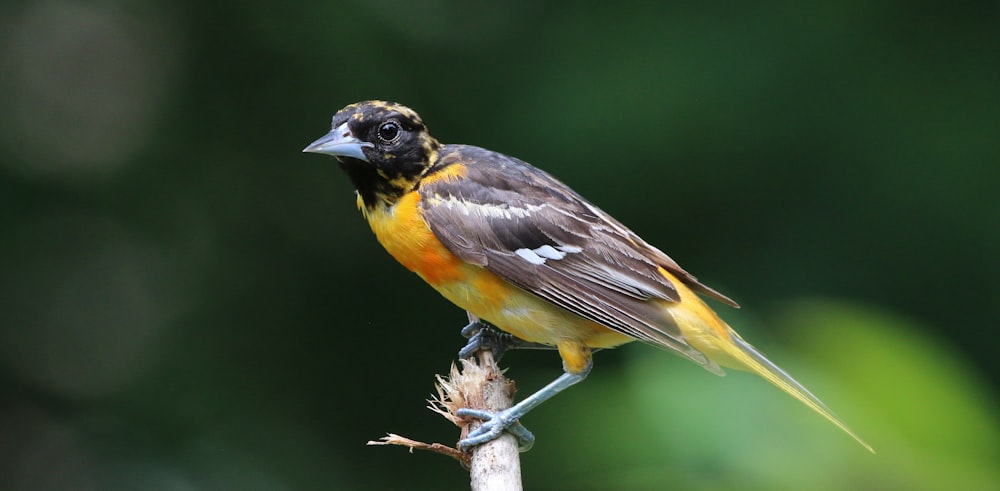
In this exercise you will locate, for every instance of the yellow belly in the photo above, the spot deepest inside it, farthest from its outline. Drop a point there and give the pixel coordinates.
(523, 314)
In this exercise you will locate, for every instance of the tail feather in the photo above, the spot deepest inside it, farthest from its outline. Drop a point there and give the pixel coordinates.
(749, 358)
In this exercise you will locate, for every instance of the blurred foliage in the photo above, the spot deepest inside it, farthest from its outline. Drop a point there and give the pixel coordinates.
(186, 302)
(927, 414)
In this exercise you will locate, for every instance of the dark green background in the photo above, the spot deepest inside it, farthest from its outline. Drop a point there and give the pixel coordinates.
(188, 303)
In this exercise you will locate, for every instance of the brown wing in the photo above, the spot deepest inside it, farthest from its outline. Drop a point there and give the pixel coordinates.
(535, 232)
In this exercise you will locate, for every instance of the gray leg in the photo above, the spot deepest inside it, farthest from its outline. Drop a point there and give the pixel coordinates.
(494, 423)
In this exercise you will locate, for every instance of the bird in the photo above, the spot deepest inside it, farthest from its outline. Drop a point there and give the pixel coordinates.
(520, 251)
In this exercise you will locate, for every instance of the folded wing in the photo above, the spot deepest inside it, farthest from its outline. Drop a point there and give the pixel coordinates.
(535, 232)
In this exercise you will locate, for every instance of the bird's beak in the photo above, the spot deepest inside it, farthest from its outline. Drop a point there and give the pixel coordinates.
(339, 142)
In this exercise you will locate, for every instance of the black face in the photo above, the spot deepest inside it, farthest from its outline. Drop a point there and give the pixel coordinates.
(401, 149)
(402, 145)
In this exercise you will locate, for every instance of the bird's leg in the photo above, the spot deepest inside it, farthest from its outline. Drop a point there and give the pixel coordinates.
(483, 335)
(494, 423)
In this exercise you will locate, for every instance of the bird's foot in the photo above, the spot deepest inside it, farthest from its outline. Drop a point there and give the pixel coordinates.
(473, 327)
(494, 424)
(483, 336)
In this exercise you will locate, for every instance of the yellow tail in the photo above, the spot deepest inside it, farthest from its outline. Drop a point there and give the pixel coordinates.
(747, 357)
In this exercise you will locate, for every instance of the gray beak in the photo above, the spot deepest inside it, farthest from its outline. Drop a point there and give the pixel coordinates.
(339, 142)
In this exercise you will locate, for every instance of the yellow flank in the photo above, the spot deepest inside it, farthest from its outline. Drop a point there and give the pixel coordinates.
(709, 334)
(526, 315)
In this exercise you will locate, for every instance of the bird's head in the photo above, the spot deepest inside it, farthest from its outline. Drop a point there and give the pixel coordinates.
(384, 147)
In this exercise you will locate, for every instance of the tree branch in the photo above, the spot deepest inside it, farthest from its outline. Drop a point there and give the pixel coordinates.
(494, 465)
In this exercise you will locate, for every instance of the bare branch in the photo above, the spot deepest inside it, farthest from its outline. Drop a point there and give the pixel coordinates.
(494, 465)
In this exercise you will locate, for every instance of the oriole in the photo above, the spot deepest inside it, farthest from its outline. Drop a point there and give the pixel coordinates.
(519, 249)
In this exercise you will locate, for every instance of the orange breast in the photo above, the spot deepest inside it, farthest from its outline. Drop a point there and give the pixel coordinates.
(402, 231)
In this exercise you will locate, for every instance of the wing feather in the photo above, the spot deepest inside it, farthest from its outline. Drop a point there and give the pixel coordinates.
(532, 230)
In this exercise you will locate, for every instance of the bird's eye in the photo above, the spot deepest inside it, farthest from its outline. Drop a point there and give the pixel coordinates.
(389, 132)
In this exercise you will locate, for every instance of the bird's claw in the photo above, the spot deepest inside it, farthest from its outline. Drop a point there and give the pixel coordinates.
(483, 336)
(494, 424)
(472, 328)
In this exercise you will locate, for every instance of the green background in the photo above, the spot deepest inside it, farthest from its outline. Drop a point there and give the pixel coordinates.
(189, 303)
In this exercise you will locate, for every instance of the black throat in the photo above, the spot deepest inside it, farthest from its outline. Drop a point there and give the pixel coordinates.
(371, 186)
